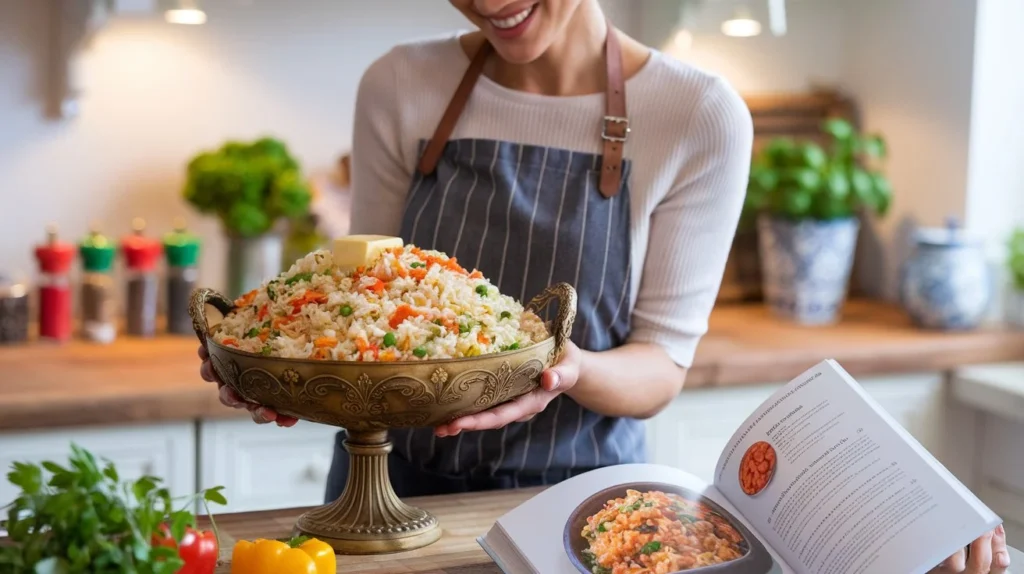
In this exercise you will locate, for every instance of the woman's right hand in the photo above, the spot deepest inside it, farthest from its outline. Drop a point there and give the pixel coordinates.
(228, 397)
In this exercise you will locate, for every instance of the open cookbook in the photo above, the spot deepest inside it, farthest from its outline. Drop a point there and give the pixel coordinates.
(818, 480)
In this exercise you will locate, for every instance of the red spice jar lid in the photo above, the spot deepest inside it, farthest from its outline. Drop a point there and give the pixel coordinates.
(55, 256)
(141, 253)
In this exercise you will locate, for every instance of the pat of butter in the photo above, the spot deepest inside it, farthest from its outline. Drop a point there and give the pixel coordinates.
(358, 250)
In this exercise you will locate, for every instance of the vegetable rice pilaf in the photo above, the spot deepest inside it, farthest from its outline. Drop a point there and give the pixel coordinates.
(658, 533)
(408, 304)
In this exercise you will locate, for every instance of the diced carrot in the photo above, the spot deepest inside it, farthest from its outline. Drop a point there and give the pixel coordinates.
(325, 342)
(278, 322)
(263, 312)
(320, 354)
(388, 355)
(401, 314)
(483, 339)
(378, 287)
(231, 341)
(264, 335)
(362, 345)
(419, 273)
(476, 274)
(246, 299)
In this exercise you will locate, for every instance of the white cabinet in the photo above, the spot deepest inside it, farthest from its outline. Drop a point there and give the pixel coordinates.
(165, 451)
(693, 431)
(265, 466)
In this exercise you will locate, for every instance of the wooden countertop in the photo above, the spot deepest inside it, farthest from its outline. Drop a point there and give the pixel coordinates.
(463, 517)
(44, 385)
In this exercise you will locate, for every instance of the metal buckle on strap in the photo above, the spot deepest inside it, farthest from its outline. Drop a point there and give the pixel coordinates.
(618, 120)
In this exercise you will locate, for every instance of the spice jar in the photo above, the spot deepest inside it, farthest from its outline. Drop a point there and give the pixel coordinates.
(13, 311)
(55, 258)
(141, 255)
(97, 306)
(181, 249)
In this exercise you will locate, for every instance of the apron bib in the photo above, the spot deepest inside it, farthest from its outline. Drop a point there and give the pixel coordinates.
(527, 217)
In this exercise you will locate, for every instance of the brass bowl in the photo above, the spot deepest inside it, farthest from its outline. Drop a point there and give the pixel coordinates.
(367, 399)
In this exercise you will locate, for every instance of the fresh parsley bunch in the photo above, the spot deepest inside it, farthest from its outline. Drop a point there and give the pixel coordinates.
(85, 519)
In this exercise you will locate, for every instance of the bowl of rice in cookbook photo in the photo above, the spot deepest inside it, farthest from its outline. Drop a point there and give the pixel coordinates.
(376, 335)
(649, 527)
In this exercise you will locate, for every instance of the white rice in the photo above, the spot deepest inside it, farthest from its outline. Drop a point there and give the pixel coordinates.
(313, 310)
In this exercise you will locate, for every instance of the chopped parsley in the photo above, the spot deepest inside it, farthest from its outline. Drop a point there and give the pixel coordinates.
(506, 315)
(271, 292)
(254, 332)
(265, 351)
(652, 546)
(416, 265)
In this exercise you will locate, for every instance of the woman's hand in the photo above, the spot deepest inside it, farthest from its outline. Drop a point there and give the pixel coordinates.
(556, 380)
(228, 397)
(988, 556)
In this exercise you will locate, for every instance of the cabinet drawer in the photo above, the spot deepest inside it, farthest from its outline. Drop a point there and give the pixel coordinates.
(264, 466)
(164, 451)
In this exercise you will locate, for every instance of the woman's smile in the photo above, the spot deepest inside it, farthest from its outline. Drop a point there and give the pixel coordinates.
(513, 21)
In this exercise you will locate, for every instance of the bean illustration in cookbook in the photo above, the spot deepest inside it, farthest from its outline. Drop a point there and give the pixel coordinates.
(819, 479)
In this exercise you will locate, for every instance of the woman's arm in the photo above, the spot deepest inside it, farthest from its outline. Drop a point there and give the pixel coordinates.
(690, 238)
(691, 235)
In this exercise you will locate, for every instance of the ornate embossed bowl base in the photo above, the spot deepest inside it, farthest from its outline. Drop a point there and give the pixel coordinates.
(368, 517)
(367, 399)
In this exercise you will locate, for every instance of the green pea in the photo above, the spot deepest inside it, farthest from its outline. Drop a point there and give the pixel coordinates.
(513, 346)
(481, 290)
(463, 328)
(346, 310)
(389, 340)
(506, 315)
(254, 332)
(266, 350)
(420, 352)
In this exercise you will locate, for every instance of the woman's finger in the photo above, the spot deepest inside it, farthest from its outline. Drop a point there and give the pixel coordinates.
(525, 406)
(563, 375)
(207, 373)
(229, 398)
(1000, 554)
(203, 353)
(980, 559)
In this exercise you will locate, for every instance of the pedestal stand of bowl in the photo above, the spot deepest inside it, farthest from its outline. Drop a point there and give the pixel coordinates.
(367, 399)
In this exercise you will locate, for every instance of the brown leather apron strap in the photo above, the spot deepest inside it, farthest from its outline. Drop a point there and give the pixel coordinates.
(614, 125)
(432, 153)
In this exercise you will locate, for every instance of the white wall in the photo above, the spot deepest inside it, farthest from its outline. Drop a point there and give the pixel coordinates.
(158, 93)
(995, 184)
(811, 52)
(910, 69)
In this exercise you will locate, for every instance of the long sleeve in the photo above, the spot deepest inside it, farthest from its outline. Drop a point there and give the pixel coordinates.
(692, 228)
(380, 177)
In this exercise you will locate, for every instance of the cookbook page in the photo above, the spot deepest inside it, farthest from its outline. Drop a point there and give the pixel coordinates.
(631, 514)
(836, 486)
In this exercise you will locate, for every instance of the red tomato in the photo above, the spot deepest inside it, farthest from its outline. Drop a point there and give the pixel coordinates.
(198, 549)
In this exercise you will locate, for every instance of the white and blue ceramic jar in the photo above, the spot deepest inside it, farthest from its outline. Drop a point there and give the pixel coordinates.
(805, 266)
(946, 283)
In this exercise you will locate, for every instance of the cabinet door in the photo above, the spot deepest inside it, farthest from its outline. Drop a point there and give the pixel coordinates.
(916, 401)
(265, 466)
(165, 451)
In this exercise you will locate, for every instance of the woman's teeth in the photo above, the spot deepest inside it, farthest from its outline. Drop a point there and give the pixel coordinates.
(512, 21)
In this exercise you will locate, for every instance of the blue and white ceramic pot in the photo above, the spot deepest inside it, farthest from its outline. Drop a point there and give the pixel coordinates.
(806, 266)
(946, 283)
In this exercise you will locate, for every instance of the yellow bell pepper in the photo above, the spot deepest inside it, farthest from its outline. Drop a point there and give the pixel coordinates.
(308, 556)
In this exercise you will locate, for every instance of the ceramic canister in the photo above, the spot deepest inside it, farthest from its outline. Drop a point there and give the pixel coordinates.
(946, 283)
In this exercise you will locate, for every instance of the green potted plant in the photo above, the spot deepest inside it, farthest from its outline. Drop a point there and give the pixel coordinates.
(1015, 265)
(806, 200)
(251, 187)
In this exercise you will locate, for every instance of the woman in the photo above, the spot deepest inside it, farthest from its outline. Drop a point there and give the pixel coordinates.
(549, 147)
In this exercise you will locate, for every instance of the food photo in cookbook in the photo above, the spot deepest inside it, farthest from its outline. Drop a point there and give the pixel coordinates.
(651, 527)
(757, 467)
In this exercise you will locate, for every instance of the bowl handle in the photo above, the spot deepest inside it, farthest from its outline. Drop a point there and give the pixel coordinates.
(202, 302)
(566, 296)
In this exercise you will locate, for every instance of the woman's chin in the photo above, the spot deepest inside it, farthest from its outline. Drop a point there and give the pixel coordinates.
(519, 52)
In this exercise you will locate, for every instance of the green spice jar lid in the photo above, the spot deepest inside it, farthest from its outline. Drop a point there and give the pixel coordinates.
(97, 252)
(181, 247)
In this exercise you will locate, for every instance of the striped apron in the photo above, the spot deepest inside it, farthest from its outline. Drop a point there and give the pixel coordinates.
(527, 217)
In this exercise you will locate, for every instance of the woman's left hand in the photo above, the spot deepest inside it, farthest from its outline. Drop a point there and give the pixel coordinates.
(557, 379)
(988, 556)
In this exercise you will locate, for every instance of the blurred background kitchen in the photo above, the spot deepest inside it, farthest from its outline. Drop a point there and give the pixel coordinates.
(147, 146)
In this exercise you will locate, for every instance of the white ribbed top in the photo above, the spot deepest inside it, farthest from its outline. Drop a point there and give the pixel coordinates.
(690, 146)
